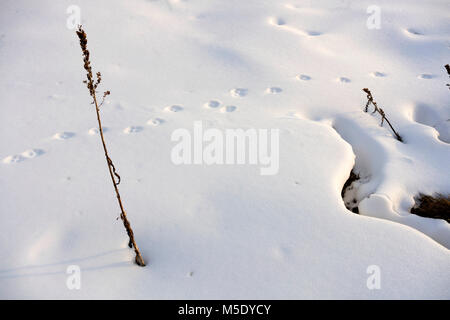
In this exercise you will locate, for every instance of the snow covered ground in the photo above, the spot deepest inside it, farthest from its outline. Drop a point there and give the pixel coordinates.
(224, 231)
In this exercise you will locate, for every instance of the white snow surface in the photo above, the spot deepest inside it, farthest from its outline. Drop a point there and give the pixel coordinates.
(223, 231)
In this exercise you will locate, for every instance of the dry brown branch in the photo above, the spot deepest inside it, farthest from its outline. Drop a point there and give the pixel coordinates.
(92, 86)
(447, 67)
(380, 111)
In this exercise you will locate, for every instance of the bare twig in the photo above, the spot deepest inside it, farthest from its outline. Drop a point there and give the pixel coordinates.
(92, 86)
(380, 111)
(447, 67)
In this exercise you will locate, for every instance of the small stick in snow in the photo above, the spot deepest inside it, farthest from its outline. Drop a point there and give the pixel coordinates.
(92, 86)
(380, 111)
(447, 67)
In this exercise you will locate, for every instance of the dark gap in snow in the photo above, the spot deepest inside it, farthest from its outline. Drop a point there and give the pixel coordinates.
(348, 192)
(436, 207)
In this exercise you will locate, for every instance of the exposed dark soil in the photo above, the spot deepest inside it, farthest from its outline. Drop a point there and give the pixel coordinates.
(350, 206)
(436, 207)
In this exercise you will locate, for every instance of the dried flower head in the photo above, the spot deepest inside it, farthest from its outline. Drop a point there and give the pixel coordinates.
(87, 63)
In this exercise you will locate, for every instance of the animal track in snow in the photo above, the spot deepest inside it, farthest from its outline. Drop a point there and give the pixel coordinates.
(28, 154)
(303, 77)
(378, 74)
(32, 153)
(425, 76)
(63, 135)
(313, 33)
(212, 104)
(239, 92)
(281, 23)
(228, 109)
(94, 131)
(155, 121)
(344, 80)
(132, 129)
(280, 253)
(413, 32)
(274, 90)
(174, 108)
(277, 21)
(14, 159)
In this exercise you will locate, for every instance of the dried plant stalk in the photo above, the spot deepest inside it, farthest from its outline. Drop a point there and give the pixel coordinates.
(92, 86)
(380, 111)
(447, 67)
